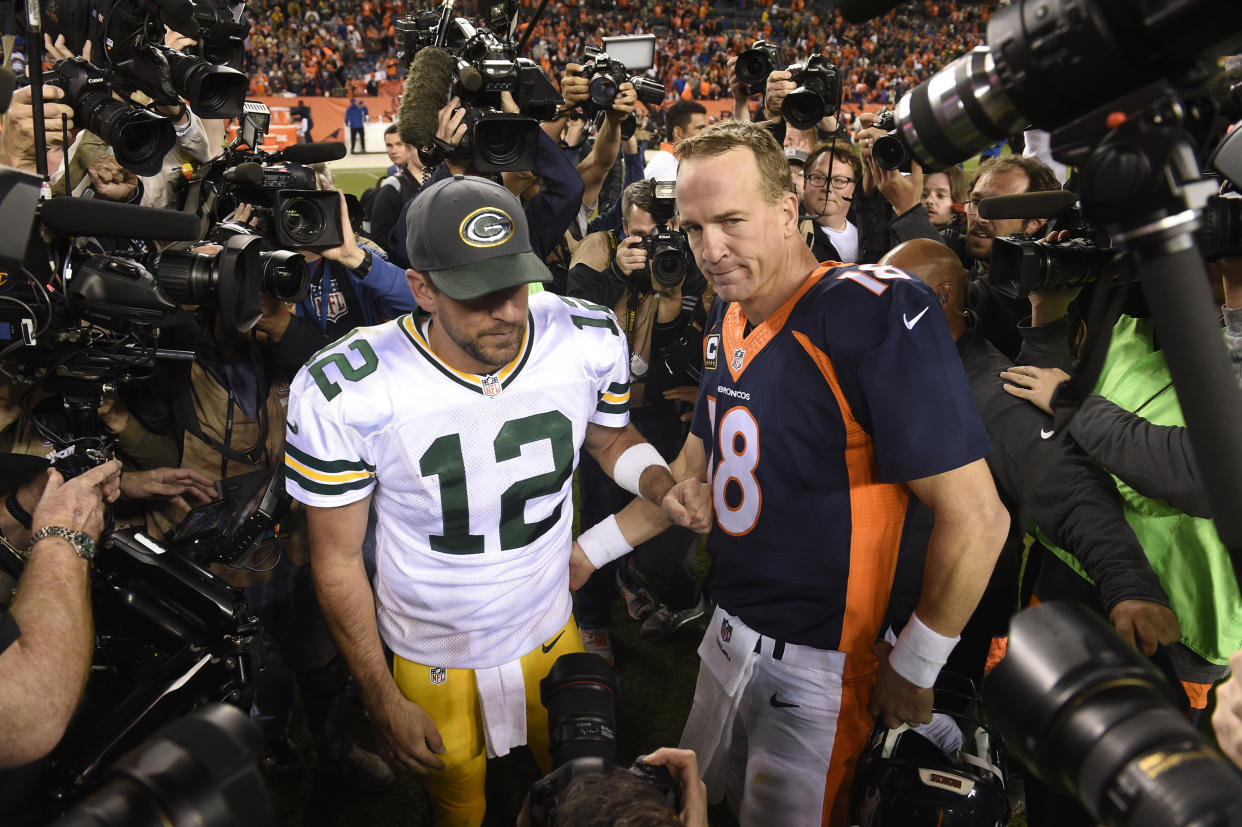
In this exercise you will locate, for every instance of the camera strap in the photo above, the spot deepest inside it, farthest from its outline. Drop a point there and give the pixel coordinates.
(183, 406)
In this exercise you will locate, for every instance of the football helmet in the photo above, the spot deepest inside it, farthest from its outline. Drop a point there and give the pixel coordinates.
(949, 773)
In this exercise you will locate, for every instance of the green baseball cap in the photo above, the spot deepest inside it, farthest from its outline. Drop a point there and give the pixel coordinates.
(470, 235)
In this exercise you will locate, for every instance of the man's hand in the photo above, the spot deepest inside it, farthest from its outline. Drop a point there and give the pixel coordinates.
(406, 735)
(780, 84)
(176, 40)
(623, 103)
(78, 504)
(112, 181)
(896, 701)
(575, 89)
(689, 504)
(17, 137)
(1227, 719)
(631, 256)
(684, 393)
(175, 485)
(449, 122)
(1035, 385)
(1145, 625)
(275, 319)
(580, 568)
(736, 88)
(59, 50)
(683, 766)
(347, 252)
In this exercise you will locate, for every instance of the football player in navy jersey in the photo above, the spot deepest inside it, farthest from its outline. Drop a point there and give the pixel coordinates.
(829, 394)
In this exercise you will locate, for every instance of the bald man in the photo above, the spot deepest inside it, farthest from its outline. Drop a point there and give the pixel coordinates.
(1081, 512)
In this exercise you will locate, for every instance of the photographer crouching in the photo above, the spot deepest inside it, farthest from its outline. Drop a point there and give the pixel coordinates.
(650, 279)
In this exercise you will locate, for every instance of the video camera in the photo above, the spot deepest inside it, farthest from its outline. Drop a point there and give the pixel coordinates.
(818, 92)
(480, 67)
(289, 211)
(606, 74)
(668, 251)
(580, 693)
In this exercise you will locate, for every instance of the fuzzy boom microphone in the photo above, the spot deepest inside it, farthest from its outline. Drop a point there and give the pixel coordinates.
(426, 91)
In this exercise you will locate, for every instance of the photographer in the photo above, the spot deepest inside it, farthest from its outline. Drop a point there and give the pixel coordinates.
(658, 320)
(549, 211)
(47, 638)
(351, 285)
(1134, 427)
(999, 312)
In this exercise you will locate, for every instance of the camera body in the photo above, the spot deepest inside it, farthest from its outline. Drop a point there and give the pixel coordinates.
(1220, 227)
(755, 64)
(818, 92)
(579, 693)
(1021, 264)
(606, 74)
(668, 250)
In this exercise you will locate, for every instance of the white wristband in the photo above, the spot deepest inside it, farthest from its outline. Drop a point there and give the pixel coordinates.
(920, 652)
(633, 462)
(603, 542)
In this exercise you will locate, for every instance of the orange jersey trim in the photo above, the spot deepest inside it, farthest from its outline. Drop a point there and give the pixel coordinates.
(733, 328)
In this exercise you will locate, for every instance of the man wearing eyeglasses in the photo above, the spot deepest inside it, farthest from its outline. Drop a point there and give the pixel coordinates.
(832, 173)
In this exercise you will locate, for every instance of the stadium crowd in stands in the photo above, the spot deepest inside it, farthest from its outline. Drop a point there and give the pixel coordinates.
(314, 47)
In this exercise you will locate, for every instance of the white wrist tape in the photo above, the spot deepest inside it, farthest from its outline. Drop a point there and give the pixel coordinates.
(920, 652)
(603, 542)
(633, 462)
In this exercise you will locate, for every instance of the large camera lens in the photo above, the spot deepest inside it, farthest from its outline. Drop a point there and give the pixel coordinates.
(302, 220)
(285, 275)
(201, 769)
(187, 277)
(213, 91)
(503, 141)
(603, 91)
(889, 152)
(580, 694)
(753, 67)
(1089, 714)
(803, 107)
(139, 139)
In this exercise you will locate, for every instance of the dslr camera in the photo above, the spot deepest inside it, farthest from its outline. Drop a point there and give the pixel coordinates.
(139, 138)
(606, 74)
(889, 151)
(580, 695)
(818, 94)
(755, 64)
(668, 251)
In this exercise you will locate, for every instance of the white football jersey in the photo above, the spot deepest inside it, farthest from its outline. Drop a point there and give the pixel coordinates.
(471, 475)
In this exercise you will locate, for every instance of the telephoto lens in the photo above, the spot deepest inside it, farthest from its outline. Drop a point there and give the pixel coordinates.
(580, 692)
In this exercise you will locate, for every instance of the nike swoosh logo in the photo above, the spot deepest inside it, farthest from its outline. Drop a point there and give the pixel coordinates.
(1044, 434)
(910, 323)
(781, 704)
(548, 647)
(293, 426)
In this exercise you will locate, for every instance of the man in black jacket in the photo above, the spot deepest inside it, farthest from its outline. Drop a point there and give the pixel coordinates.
(1076, 503)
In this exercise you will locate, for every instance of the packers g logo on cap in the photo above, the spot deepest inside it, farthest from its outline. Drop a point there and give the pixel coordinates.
(486, 227)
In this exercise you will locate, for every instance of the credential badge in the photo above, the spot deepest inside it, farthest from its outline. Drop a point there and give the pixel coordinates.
(439, 675)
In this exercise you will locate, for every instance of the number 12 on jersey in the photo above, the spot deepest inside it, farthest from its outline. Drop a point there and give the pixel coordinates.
(735, 452)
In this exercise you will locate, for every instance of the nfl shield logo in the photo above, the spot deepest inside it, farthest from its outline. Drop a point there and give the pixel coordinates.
(726, 631)
(491, 385)
(739, 356)
(438, 675)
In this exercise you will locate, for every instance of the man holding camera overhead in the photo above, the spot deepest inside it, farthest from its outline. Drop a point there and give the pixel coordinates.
(658, 307)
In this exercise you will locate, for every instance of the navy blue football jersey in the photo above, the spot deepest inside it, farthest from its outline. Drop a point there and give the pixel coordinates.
(811, 423)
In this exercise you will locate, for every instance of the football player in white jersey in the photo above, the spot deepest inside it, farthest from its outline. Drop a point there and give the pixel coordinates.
(460, 426)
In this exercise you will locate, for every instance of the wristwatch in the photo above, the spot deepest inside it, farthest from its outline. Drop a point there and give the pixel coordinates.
(365, 267)
(82, 542)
